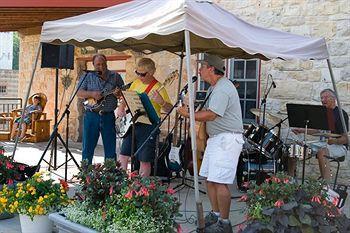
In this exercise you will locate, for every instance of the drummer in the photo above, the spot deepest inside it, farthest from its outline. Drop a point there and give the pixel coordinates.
(333, 147)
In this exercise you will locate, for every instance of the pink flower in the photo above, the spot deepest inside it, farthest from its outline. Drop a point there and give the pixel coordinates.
(144, 191)
(267, 180)
(152, 186)
(88, 180)
(335, 201)
(129, 194)
(21, 167)
(261, 192)
(286, 180)
(179, 229)
(10, 181)
(111, 190)
(276, 179)
(279, 203)
(316, 199)
(244, 198)
(245, 184)
(170, 191)
(132, 174)
(9, 165)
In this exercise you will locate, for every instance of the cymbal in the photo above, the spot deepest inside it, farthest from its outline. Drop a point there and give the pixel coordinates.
(269, 116)
(327, 135)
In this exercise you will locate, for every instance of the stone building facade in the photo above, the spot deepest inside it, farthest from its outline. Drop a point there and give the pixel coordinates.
(297, 81)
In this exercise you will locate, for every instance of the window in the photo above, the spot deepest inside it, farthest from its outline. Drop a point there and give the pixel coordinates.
(246, 72)
(2, 89)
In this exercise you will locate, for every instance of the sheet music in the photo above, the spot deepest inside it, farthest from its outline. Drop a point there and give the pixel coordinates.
(134, 103)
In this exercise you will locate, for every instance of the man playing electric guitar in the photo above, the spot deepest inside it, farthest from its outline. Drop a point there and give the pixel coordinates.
(103, 119)
(146, 83)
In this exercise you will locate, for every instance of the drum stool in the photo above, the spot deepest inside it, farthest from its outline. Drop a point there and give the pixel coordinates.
(337, 160)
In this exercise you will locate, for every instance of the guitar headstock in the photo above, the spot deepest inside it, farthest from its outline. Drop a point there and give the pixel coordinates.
(171, 77)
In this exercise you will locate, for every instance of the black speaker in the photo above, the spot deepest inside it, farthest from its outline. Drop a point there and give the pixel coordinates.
(57, 56)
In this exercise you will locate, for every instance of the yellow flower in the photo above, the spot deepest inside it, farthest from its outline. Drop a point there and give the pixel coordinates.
(41, 199)
(30, 210)
(3, 200)
(45, 196)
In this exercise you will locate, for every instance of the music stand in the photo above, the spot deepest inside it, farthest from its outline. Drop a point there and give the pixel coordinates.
(138, 114)
(307, 116)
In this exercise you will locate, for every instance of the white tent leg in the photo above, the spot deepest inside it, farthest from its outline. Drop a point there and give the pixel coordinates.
(27, 97)
(199, 205)
(337, 96)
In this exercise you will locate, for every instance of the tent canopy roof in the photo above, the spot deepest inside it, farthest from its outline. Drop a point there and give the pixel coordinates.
(153, 25)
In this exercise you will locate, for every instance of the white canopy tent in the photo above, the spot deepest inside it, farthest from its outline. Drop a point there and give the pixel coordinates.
(188, 26)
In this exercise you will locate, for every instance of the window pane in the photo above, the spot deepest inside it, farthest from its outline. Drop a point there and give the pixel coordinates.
(251, 69)
(251, 90)
(250, 105)
(242, 108)
(238, 70)
(241, 89)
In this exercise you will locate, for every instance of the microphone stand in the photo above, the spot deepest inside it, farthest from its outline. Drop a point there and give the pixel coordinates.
(263, 102)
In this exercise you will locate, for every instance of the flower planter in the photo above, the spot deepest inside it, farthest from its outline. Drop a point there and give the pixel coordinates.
(65, 226)
(6, 215)
(40, 224)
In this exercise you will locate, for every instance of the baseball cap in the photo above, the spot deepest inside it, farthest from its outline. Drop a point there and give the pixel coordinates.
(214, 61)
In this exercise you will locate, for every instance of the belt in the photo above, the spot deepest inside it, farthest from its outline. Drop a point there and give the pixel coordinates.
(101, 112)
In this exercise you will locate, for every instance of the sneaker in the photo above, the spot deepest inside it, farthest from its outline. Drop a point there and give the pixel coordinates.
(219, 227)
(210, 219)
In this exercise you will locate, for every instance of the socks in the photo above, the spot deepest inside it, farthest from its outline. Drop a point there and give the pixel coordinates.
(217, 213)
(225, 221)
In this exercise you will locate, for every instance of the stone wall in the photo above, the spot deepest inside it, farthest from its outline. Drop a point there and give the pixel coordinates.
(9, 78)
(301, 81)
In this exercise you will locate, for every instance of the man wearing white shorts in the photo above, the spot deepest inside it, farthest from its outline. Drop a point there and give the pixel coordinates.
(222, 114)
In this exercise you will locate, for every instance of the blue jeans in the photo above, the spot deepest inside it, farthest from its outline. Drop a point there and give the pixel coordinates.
(95, 123)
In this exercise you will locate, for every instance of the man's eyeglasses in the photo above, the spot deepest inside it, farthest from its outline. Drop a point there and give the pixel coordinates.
(140, 74)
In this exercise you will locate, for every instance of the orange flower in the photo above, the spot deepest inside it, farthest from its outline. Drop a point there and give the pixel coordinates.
(111, 190)
(335, 201)
(144, 191)
(286, 181)
(279, 203)
(64, 184)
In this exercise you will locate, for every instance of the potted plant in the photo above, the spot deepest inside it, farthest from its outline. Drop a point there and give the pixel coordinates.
(282, 205)
(33, 200)
(110, 200)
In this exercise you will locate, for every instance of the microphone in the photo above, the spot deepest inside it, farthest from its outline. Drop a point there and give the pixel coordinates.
(273, 82)
(126, 86)
(184, 89)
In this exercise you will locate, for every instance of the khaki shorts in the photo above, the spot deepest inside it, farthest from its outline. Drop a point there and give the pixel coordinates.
(221, 156)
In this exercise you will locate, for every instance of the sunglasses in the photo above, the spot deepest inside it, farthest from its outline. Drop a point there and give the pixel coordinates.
(140, 74)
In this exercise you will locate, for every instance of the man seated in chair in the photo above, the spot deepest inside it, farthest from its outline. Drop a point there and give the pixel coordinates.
(334, 147)
(27, 118)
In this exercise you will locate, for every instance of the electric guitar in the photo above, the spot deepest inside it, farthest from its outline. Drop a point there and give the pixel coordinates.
(123, 124)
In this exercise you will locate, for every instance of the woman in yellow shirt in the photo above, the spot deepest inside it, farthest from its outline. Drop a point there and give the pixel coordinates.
(145, 83)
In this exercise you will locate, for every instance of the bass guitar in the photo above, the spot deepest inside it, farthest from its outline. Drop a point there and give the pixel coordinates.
(123, 124)
(94, 105)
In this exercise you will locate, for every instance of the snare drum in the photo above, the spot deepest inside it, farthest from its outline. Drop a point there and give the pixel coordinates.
(258, 133)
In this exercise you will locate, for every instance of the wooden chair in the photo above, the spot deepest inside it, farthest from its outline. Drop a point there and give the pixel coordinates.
(39, 128)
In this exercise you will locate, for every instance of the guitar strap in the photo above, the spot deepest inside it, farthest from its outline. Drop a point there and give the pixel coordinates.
(205, 100)
(150, 86)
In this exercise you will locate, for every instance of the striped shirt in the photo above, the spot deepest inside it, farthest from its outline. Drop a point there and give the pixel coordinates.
(93, 82)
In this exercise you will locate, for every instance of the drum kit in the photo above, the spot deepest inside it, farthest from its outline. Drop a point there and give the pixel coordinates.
(265, 149)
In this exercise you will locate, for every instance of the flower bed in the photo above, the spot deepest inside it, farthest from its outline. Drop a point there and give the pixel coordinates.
(281, 205)
(112, 201)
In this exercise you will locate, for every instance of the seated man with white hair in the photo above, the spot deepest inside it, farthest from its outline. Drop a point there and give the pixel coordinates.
(333, 147)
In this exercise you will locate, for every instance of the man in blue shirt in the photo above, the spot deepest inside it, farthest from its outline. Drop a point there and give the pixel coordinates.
(95, 85)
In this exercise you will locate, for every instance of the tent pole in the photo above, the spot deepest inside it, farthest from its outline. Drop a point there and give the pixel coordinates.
(27, 97)
(337, 96)
(199, 205)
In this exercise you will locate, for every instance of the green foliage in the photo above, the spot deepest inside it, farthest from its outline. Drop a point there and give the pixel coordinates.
(112, 201)
(281, 205)
(15, 61)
